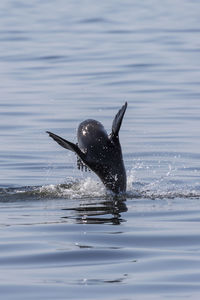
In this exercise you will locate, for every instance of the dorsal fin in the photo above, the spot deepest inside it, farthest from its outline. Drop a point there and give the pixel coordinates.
(67, 145)
(118, 121)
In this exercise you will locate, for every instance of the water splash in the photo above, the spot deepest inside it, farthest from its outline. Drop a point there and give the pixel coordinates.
(92, 188)
(76, 189)
(160, 188)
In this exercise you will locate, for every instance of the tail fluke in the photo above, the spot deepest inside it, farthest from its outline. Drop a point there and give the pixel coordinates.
(118, 121)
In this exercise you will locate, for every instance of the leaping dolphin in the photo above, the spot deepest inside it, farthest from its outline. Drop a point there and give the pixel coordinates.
(99, 151)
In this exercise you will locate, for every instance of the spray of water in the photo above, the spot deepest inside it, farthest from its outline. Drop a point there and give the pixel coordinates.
(92, 188)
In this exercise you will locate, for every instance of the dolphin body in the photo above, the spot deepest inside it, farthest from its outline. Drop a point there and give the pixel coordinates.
(99, 151)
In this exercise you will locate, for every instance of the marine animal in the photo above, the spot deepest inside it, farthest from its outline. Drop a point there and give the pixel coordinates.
(99, 151)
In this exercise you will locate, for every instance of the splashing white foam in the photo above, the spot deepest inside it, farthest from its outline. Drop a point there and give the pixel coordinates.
(130, 180)
(158, 188)
(87, 187)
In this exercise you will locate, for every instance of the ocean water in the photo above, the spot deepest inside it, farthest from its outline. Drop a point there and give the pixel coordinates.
(62, 235)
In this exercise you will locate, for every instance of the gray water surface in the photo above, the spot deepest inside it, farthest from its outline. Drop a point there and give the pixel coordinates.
(63, 236)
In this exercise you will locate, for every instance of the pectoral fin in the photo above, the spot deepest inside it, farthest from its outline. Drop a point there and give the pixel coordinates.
(118, 121)
(67, 145)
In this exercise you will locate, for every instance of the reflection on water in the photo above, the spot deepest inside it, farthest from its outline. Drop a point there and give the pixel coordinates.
(98, 212)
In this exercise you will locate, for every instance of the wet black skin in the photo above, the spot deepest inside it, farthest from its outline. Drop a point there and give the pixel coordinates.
(99, 151)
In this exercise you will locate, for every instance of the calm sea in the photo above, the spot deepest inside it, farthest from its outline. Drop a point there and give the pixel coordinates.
(62, 236)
